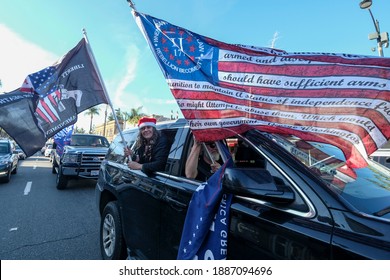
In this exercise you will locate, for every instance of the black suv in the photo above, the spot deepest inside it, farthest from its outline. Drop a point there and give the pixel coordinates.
(80, 159)
(8, 160)
(292, 200)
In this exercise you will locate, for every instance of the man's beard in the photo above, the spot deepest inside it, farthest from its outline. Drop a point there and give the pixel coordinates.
(216, 156)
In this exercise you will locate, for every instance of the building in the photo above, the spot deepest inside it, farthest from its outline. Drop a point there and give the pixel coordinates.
(110, 130)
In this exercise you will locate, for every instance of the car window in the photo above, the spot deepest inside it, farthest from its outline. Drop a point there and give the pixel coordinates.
(4, 148)
(367, 189)
(246, 155)
(115, 151)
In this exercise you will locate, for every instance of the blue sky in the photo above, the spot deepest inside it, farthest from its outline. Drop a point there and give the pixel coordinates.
(34, 34)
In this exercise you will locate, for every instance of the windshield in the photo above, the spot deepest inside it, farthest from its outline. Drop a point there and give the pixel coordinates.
(89, 140)
(4, 148)
(367, 189)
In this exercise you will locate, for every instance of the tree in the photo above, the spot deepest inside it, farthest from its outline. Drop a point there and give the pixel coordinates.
(92, 112)
(131, 117)
(135, 115)
(118, 115)
(126, 118)
(79, 130)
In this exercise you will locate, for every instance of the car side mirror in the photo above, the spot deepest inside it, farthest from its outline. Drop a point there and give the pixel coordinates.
(256, 183)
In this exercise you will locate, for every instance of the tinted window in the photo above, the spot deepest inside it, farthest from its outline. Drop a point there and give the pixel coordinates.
(89, 140)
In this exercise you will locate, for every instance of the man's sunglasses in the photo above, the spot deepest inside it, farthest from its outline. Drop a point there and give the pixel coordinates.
(211, 144)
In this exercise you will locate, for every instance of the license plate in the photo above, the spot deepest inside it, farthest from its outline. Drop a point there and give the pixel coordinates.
(94, 172)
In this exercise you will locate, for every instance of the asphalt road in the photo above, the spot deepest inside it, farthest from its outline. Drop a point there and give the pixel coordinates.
(39, 222)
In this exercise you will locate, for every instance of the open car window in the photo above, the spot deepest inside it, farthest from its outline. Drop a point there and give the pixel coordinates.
(367, 189)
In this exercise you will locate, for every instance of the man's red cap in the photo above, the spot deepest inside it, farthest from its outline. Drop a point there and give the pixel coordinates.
(146, 121)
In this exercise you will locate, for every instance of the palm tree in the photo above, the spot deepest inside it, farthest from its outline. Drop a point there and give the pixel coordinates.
(92, 112)
(79, 130)
(118, 114)
(126, 118)
(135, 115)
(131, 117)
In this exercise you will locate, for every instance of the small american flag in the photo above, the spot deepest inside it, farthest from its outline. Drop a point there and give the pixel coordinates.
(40, 82)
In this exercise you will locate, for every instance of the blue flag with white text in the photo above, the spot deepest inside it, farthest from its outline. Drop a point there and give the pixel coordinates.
(62, 139)
(207, 222)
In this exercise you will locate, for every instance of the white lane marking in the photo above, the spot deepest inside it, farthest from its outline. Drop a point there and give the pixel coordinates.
(27, 189)
(13, 229)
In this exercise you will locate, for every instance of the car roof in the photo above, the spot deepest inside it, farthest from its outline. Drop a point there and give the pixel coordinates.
(163, 125)
(89, 135)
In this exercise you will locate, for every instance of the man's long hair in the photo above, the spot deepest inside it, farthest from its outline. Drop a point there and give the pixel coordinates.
(142, 141)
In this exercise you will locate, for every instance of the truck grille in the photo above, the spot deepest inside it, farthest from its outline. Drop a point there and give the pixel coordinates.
(91, 159)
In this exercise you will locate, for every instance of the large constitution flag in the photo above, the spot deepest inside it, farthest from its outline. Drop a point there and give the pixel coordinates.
(223, 89)
(68, 87)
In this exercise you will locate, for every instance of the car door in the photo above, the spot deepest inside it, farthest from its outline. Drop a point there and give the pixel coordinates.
(177, 195)
(265, 230)
(139, 198)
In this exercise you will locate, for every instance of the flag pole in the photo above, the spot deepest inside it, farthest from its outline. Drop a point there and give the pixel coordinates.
(89, 49)
(131, 4)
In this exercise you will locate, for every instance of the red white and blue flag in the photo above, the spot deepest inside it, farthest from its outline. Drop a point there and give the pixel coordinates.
(41, 79)
(54, 97)
(223, 89)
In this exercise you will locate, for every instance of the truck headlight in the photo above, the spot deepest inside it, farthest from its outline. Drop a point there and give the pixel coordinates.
(70, 158)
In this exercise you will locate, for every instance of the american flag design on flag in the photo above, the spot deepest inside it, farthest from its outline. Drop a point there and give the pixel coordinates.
(69, 86)
(50, 99)
(223, 89)
(41, 79)
(41, 82)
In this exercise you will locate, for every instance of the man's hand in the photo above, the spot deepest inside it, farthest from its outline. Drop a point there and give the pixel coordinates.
(134, 165)
(127, 151)
(214, 167)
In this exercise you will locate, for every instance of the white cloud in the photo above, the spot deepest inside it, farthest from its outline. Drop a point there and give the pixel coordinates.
(121, 95)
(18, 58)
